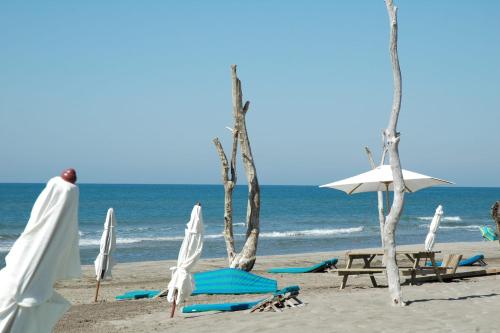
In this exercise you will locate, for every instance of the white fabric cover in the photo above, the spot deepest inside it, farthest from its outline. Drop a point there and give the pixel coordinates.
(46, 251)
(431, 236)
(104, 261)
(190, 252)
(376, 180)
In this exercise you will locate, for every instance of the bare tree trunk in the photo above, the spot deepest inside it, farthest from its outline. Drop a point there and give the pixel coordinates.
(229, 183)
(246, 258)
(392, 141)
(380, 196)
(495, 214)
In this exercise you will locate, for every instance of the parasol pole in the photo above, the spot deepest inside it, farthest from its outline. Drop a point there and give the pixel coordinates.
(387, 198)
(97, 290)
(98, 285)
(173, 305)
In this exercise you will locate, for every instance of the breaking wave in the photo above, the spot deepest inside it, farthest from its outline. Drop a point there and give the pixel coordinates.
(274, 234)
(444, 218)
(310, 233)
(472, 227)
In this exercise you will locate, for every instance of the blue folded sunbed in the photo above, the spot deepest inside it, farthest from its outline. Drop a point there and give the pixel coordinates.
(479, 258)
(238, 306)
(224, 281)
(232, 281)
(137, 294)
(321, 267)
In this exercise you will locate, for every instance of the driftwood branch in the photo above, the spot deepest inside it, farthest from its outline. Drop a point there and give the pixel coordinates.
(370, 157)
(392, 141)
(246, 258)
(228, 198)
(384, 149)
(380, 198)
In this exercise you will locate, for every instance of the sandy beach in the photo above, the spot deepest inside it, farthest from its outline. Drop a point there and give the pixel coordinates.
(466, 305)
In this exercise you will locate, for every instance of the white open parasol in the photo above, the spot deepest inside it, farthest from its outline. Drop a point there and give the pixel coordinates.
(380, 179)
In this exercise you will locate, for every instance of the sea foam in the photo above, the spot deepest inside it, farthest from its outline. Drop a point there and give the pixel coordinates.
(310, 233)
(444, 218)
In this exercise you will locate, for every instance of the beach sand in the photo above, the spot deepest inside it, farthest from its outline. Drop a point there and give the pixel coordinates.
(466, 305)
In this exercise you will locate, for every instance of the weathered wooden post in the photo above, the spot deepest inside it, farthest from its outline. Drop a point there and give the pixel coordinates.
(392, 138)
(246, 258)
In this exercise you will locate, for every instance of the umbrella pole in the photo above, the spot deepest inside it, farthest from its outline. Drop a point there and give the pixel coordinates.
(173, 305)
(388, 209)
(97, 290)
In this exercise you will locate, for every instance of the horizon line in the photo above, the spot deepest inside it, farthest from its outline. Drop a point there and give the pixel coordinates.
(219, 184)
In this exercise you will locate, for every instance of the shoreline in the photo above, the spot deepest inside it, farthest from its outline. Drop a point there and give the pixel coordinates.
(320, 290)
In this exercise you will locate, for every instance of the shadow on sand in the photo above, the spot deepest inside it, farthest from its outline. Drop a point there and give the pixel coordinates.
(462, 298)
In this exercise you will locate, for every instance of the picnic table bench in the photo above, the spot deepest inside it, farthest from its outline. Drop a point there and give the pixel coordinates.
(414, 256)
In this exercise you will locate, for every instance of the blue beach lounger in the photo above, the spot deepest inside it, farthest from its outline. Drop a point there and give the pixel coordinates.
(478, 258)
(278, 300)
(321, 267)
(137, 294)
(232, 281)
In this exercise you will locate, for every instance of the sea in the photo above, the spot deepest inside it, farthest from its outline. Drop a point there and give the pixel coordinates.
(293, 219)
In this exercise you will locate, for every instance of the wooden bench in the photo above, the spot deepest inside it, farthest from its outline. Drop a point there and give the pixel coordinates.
(405, 271)
(415, 258)
(345, 272)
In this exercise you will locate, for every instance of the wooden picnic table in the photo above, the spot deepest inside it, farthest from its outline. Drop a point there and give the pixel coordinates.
(414, 256)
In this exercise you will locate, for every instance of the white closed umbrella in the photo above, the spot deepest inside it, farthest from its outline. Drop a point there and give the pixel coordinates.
(380, 179)
(46, 251)
(431, 236)
(104, 261)
(181, 285)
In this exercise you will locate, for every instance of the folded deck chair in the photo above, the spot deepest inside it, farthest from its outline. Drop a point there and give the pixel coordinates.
(478, 258)
(321, 267)
(232, 281)
(282, 299)
(286, 297)
(137, 294)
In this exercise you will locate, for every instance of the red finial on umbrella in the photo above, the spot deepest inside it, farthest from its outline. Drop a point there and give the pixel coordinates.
(69, 175)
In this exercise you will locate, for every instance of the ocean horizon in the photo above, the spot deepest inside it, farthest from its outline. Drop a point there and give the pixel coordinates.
(294, 218)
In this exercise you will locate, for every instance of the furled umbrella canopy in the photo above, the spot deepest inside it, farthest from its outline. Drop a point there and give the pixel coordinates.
(104, 261)
(181, 285)
(46, 251)
(431, 236)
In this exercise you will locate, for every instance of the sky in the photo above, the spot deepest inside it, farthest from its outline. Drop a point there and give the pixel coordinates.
(135, 91)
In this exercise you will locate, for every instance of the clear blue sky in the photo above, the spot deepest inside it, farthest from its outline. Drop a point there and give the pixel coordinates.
(134, 91)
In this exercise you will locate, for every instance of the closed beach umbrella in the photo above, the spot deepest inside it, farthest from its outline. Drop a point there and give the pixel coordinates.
(181, 285)
(104, 261)
(431, 236)
(380, 179)
(46, 251)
